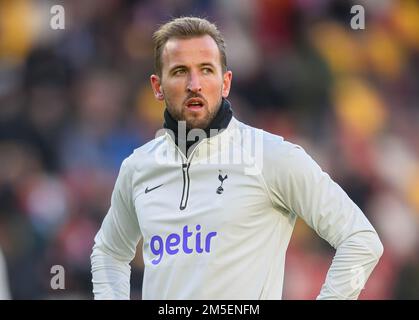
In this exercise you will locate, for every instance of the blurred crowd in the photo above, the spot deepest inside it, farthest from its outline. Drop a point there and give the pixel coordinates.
(75, 102)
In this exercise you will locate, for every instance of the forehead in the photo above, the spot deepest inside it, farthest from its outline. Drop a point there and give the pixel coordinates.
(195, 50)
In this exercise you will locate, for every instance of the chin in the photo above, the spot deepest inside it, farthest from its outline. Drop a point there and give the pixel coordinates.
(197, 124)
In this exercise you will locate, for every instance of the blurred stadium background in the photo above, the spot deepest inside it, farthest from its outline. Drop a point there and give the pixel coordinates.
(75, 102)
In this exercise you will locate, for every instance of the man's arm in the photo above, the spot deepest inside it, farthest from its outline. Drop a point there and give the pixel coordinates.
(4, 281)
(116, 242)
(304, 189)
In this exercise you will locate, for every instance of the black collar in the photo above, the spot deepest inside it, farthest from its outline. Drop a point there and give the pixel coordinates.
(220, 122)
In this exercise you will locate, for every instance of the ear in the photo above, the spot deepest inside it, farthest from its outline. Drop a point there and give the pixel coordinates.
(156, 85)
(227, 77)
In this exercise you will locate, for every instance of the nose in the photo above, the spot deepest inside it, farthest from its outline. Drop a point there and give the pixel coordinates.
(194, 84)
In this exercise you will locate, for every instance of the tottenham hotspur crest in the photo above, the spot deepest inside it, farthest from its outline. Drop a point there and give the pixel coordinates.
(221, 178)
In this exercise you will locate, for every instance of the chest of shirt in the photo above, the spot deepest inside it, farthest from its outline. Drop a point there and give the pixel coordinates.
(211, 196)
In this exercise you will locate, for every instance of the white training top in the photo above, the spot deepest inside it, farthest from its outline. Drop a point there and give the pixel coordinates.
(4, 281)
(216, 225)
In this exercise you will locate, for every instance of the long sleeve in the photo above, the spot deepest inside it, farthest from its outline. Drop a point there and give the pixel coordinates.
(116, 242)
(302, 188)
(4, 281)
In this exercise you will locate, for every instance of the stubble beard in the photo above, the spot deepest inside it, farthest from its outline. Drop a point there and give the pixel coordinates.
(191, 121)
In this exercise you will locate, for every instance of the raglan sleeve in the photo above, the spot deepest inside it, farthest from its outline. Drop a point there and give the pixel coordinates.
(116, 241)
(303, 188)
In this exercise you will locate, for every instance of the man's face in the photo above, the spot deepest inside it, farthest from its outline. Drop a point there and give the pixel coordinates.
(192, 83)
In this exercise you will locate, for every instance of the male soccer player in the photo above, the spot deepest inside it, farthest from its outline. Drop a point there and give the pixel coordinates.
(215, 201)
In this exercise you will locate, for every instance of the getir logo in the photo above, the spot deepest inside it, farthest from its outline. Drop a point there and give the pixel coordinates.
(188, 242)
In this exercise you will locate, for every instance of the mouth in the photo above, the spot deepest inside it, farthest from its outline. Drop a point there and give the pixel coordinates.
(195, 104)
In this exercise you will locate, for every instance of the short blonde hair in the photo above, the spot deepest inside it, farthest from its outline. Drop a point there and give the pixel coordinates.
(184, 28)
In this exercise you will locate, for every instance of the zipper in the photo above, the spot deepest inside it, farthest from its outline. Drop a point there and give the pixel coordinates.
(186, 183)
(185, 173)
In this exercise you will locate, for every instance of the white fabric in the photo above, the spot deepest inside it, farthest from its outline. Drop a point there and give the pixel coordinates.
(4, 282)
(239, 238)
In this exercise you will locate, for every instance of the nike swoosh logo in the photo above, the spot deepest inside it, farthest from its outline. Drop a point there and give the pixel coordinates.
(147, 190)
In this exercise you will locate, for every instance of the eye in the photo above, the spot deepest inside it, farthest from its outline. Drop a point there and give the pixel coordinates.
(179, 72)
(206, 70)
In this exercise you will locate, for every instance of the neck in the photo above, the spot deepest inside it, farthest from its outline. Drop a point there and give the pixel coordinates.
(219, 123)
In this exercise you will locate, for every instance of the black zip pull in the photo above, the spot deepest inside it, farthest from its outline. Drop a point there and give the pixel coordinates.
(186, 182)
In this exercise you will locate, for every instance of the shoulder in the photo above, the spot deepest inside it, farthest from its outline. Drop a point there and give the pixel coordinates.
(275, 156)
(277, 151)
(273, 147)
(141, 155)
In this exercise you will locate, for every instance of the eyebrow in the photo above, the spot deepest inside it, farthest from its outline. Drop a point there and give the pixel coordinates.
(180, 66)
(206, 64)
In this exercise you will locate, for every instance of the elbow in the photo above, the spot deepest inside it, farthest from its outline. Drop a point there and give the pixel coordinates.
(368, 242)
(95, 252)
(372, 244)
(377, 246)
